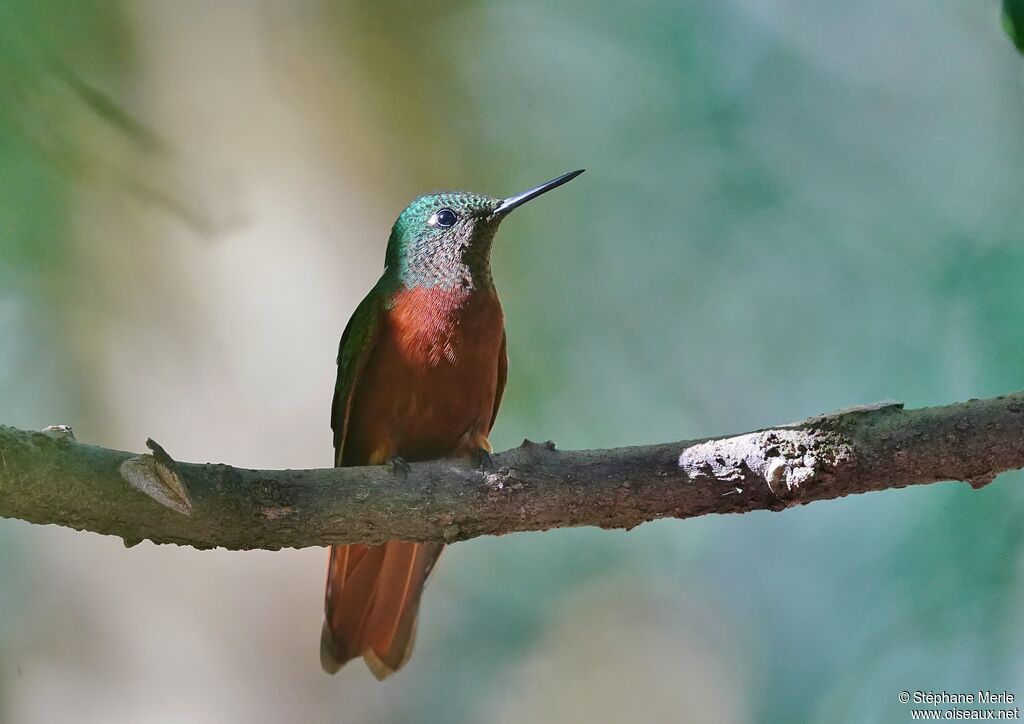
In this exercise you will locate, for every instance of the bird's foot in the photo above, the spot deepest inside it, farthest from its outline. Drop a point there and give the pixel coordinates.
(483, 460)
(399, 467)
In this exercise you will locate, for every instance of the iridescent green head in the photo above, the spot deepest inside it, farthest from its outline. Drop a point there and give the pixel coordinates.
(443, 239)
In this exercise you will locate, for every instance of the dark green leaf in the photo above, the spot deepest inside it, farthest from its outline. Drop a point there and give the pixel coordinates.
(1013, 21)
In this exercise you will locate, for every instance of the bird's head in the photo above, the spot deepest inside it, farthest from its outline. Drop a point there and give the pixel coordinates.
(444, 238)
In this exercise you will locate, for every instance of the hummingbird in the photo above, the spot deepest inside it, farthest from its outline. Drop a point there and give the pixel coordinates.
(421, 370)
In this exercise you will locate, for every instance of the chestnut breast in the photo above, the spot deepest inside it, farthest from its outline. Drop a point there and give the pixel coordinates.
(429, 385)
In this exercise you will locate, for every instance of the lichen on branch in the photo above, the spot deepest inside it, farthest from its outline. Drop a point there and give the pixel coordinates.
(49, 477)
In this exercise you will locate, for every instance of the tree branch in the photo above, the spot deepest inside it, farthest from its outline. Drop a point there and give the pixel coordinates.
(50, 478)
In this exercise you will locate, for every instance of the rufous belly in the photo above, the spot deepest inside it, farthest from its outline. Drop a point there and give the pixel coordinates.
(429, 386)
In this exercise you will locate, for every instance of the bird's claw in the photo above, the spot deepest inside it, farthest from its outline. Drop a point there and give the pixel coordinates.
(399, 467)
(483, 460)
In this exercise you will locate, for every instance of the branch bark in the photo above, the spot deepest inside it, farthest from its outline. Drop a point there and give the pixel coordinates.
(49, 477)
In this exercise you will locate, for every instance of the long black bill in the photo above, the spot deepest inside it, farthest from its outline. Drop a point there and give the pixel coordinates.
(513, 202)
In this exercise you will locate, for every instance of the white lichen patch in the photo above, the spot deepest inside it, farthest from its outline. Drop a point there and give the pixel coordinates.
(59, 432)
(784, 459)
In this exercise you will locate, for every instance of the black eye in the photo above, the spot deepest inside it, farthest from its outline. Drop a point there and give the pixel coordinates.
(444, 218)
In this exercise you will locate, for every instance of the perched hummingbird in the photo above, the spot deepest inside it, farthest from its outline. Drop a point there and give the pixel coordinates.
(421, 370)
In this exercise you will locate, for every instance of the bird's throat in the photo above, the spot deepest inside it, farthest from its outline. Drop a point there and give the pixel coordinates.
(464, 264)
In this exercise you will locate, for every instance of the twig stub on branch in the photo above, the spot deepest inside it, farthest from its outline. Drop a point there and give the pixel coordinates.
(532, 487)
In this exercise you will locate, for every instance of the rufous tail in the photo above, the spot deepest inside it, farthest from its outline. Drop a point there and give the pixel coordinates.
(373, 596)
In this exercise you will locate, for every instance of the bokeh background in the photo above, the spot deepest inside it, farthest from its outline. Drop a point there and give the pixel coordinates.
(791, 206)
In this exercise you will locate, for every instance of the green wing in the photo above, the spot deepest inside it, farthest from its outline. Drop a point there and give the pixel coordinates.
(502, 379)
(357, 341)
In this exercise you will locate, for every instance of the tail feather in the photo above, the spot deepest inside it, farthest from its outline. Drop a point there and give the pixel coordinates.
(351, 590)
(373, 595)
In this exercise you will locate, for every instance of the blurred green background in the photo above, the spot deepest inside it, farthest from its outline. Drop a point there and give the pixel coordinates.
(791, 206)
